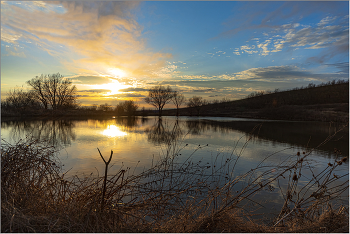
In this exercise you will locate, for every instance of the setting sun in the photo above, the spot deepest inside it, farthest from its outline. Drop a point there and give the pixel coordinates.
(113, 86)
(116, 72)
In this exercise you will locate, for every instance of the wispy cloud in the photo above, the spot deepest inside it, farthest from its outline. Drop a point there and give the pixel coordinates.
(99, 35)
(95, 91)
(331, 32)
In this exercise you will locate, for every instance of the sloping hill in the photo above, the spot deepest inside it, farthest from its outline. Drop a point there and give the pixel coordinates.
(325, 103)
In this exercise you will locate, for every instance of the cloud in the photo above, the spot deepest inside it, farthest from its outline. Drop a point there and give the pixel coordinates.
(210, 90)
(90, 80)
(95, 91)
(343, 67)
(132, 89)
(99, 35)
(261, 16)
(273, 73)
(331, 32)
(318, 37)
(127, 95)
(285, 73)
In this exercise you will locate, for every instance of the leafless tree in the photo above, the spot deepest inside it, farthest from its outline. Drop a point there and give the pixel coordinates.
(178, 99)
(159, 96)
(105, 107)
(196, 103)
(19, 100)
(119, 109)
(53, 91)
(128, 107)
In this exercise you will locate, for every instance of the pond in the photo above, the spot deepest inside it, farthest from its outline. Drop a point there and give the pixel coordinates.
(138, 143)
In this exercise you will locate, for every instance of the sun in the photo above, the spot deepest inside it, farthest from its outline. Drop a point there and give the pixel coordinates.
(114, 75)
(116, 72)
(115, 86)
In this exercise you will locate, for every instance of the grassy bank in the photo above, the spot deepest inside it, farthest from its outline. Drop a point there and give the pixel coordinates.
(171, 196)
(325, 103)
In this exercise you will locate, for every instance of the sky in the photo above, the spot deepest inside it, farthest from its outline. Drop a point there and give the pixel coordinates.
(115, 51)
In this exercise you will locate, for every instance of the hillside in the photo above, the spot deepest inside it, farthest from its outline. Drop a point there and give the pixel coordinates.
(325, 103)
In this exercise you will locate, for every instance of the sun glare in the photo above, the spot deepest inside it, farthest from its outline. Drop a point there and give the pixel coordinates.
(114, 87)
(116, 72)
(113, 131)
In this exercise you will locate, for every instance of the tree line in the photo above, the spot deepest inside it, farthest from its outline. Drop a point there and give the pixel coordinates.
(46, 92)
(54, 92)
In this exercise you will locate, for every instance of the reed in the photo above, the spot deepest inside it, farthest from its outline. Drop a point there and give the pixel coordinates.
(174, 195)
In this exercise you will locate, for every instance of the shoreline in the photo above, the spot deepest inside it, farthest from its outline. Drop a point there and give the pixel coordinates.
(296, 113)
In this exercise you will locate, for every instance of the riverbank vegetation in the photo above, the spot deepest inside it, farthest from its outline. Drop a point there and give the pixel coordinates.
(177, 194)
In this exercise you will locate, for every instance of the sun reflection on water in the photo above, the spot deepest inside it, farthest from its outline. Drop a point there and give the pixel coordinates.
(113, 131)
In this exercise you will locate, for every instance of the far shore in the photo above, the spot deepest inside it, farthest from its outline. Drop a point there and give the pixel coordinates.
(337, 112)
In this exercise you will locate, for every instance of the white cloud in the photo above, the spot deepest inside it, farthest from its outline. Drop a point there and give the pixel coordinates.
(264, 47)
(328, 33)
(326, 20)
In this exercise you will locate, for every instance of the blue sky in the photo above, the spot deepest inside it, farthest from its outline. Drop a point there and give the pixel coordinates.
(113, 51)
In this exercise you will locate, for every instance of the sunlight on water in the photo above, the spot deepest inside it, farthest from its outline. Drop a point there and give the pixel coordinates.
(113, 131)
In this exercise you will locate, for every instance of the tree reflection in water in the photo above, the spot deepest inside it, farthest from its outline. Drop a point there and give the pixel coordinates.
(162, 133)
(58, 133)
(164, 130)
(127, 122)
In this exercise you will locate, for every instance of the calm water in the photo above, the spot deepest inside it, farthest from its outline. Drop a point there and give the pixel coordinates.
(138, 142)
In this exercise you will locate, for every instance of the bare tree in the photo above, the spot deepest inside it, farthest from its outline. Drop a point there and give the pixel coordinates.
(53, 91)
(119, 109)
(196, 103)
(159, 96)
(20, 100)
(128, 107)
(178, 99)
(105, 107)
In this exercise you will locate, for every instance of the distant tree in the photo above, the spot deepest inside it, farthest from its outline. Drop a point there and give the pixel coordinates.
(53, 91)
(159, 96)
(119, 110)
(93, 107)
(178, 99)
(20, 100)
(215, 101)
(143, 111)
(105, 107)
(128, 107)
(311, 85)
(197, 103)
(225, 99)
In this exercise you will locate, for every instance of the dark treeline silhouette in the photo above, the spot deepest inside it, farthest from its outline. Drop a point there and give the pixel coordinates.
(47, 92)
(323, 102)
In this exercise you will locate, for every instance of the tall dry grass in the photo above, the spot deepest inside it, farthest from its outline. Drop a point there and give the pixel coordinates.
(172, 196)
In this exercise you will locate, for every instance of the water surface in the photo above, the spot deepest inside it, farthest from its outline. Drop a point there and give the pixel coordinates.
(137, 143)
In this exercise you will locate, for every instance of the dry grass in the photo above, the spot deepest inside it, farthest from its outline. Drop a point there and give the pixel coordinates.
(172, 196)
